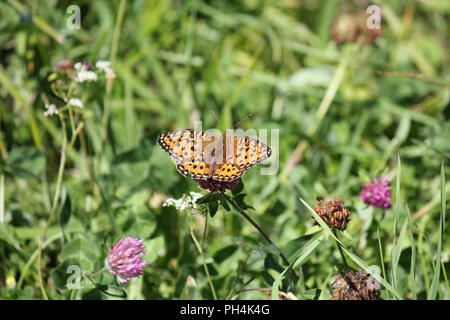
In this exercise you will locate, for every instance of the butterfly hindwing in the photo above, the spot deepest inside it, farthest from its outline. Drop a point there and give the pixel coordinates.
(227, 172)
(194, 169)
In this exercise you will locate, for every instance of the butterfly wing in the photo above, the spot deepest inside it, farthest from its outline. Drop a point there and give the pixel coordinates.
(249, 152)
(227, 172)
(184, 145)
(194, 169)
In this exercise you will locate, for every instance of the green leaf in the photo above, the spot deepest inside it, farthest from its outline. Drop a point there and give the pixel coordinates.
(239, 187)
(132, 166)
(139, 222)
(153, 248)
(225, 253)
(293, 247)
(239, 199)
(223, 202)
(213, 205)
(309, 248)
(205, 199)
(24, 162)
(82, 252)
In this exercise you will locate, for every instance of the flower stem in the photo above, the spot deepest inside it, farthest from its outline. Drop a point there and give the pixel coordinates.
(62, 163)
(261, 231)
(200, 250)
(41, 281)
(2, 198)
(340, 251)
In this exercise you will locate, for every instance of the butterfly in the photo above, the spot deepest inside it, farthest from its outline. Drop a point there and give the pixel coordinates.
(202, 155)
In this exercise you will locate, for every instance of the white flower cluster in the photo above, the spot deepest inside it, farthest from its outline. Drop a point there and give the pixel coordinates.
(106, 67)
(183, 203)
(83, 74)
(51, 110)
(76, 103)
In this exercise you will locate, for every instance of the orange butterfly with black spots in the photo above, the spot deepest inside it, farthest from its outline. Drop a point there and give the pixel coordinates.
(201, 155)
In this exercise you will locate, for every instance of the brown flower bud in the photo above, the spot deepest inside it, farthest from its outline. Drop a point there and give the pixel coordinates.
(333, 212)
(355, 286)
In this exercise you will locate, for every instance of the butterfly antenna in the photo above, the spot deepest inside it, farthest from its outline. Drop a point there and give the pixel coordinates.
(245, 118)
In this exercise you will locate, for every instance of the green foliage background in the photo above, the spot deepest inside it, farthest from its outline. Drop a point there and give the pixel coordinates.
(342, 121)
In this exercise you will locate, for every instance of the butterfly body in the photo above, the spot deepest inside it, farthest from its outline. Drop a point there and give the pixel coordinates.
(201, 155)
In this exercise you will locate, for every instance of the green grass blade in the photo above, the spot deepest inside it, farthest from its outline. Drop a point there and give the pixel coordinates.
(397, 215)
(412, 273)
(302, 257)
(6, 82)
(437, 269)
(381, 256)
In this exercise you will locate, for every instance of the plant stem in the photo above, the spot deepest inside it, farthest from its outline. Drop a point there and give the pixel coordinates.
(33, 257)
(62, 163)
(2, 198)
(261, 231)
(41, 281)
(341, 252)
(199, 248)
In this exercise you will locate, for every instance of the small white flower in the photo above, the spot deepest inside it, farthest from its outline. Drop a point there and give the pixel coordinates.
(76, 103)
(103, 65)
(194, 197)
(86, 75)
(183, 203)
(51, 110)
(106, 67)
(83, 74)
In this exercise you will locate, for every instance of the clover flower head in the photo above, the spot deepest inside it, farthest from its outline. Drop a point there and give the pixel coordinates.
(51, 109)
(214, 185)
(377, 193)
(124, 259)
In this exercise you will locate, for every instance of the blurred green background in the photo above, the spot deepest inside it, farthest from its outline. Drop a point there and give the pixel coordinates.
(345, 109)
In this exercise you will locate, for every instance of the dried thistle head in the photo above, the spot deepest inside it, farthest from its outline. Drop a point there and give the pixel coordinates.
(333, 212)
(354, 28)
(355, 286)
